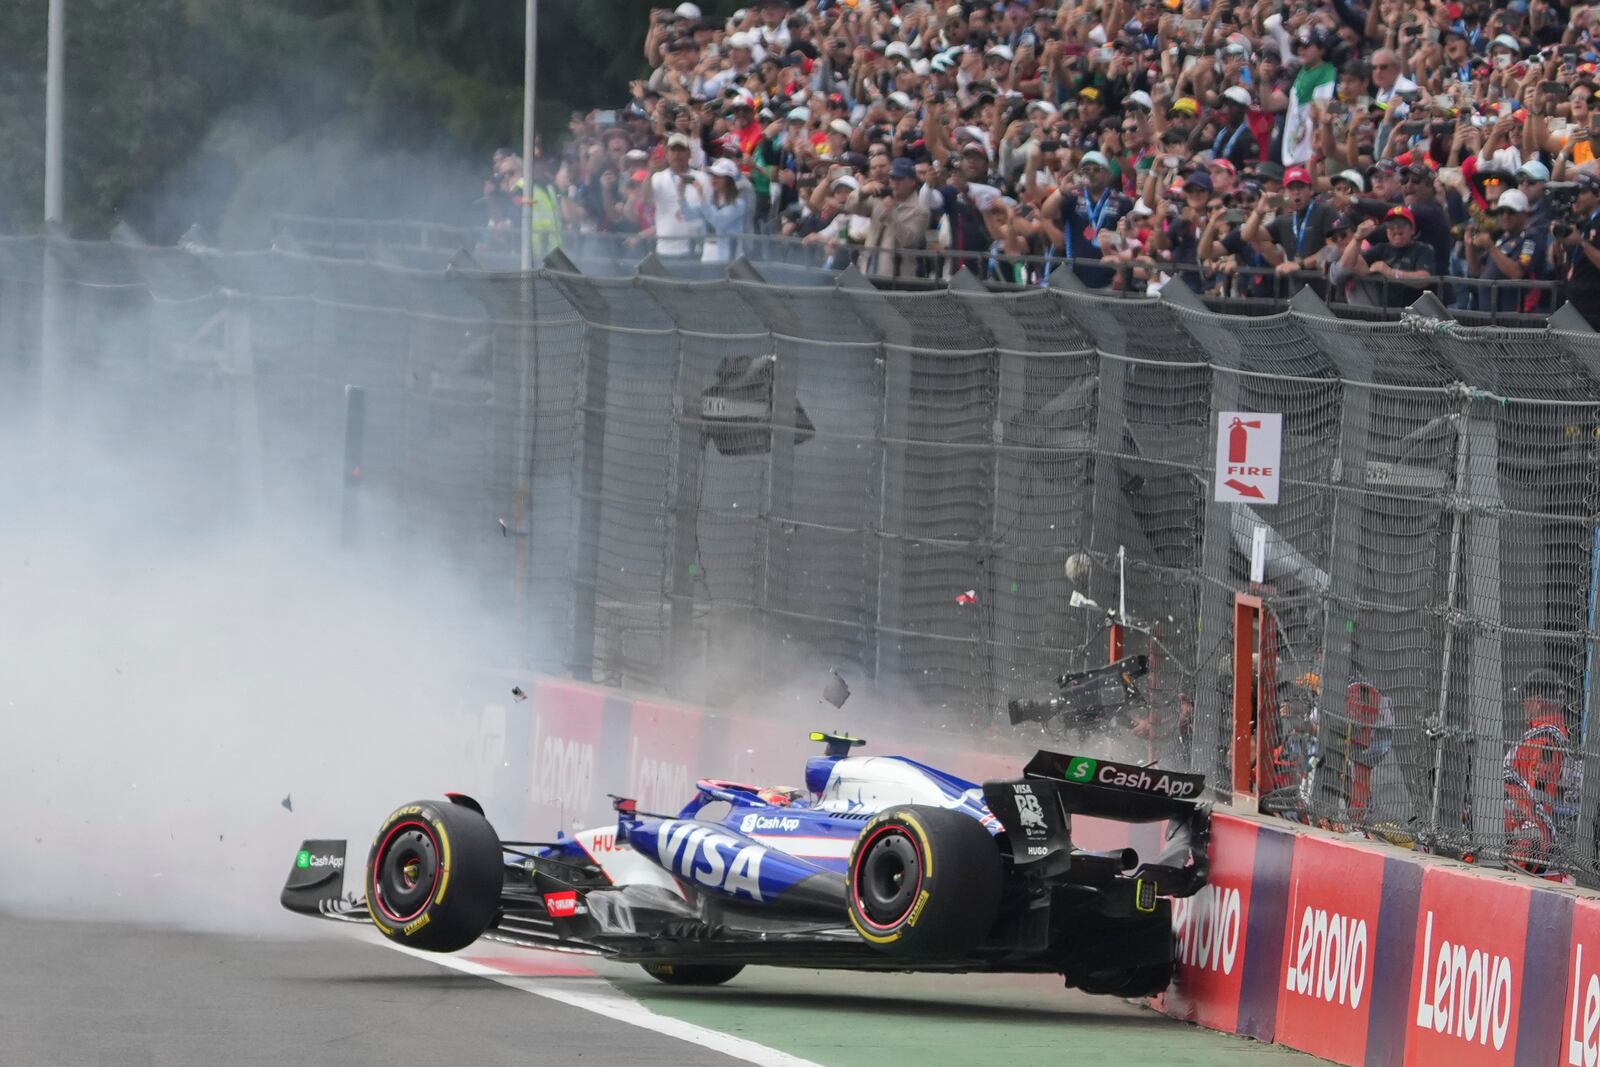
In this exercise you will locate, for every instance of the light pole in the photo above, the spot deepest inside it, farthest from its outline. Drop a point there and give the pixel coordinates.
(50, 355)
(530, 68)
(54, 49)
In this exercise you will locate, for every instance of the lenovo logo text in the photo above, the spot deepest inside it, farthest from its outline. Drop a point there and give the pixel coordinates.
(1208, 927)
(1464, 992)
(1329, 958)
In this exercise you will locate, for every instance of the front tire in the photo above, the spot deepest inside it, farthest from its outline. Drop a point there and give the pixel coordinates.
(924, 883)
(692, 973)
(434, 876)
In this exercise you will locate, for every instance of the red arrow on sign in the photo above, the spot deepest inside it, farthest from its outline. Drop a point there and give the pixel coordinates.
(1243, 489)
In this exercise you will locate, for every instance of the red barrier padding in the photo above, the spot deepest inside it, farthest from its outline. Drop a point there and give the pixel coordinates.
(1213, 928)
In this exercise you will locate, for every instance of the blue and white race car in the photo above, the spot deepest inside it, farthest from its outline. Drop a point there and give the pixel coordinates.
(879, 863)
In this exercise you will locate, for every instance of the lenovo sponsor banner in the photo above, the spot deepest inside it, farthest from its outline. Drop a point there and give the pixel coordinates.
(1330, 933)
(1467, 969)
(570, 727)
(663, 755)
(1212, 932)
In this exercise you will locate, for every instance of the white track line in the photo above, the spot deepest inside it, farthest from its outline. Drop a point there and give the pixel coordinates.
(616, 1006)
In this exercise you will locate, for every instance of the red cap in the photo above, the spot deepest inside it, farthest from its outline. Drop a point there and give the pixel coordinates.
(1296, 174)
(1226, 165)
(1402, 213)
(1453, 10)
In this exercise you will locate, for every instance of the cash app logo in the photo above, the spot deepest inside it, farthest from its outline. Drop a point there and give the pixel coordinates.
(1081, 769)
(303, 859)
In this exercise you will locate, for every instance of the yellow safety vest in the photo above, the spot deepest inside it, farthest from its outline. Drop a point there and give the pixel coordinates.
(544, 221)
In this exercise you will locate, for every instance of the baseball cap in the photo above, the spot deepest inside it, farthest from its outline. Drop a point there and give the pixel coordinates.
(840, 126)
(1534, 170)
(845, 180)
(899, 99)
(1042, 105)
(687, 11)
(1237, 94)
(902, 168)
(1511, 200)
(1401, 213)
(741, 40)
(1297, 175)
(1139, 99)
(725, 168)
(1354, 177)
(1184, 105)
(1000, 51)
(678, 140)
(1271, 171)
(1314, 35)
(974, 148)
(1198, 180)
(799, 114)
(1089, 92)
(1093, 159)
(1223, 164)
(1505, 40)
(898, 49)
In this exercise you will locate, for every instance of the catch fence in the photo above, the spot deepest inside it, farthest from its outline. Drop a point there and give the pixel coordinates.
(679, 484)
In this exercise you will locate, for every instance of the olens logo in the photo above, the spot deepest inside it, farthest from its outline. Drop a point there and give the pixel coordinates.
(561, 905)
(1208, 926)
(752, 822)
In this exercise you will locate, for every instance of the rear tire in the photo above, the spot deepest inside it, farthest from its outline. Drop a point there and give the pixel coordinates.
(434, 876)
(692, 973)
(924, 883)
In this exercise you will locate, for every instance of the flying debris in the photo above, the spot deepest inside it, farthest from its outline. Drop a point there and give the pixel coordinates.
(836, 692)
(517, 693)
(504, 530)
(969, 597)
(288, 803)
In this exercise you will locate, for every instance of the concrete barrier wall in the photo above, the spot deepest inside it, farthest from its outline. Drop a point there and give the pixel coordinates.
(1358, 952)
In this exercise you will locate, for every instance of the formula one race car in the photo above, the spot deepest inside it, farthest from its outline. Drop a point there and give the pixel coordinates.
(881, 863)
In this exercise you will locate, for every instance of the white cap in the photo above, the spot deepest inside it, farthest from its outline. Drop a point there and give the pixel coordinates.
(1140, 98)
(1095, 158)
(1512, 200)
(920, 67)
(845, 180)
(678, 140)
(725, 168)
(687, 11)
(840, 126)
(900, 99)
(1505, 40)
(741, 40)
(1238, 94)
(1141, 208)
(1354, 178)
(799, 114)
(1535, 170)
(898, 48)
(1001, 50)
(1042, 105)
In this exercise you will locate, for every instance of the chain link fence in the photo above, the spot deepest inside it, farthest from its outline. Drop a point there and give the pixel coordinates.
(705, 485)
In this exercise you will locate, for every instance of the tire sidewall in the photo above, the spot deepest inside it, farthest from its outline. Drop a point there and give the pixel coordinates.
(463, 899)
(960, 874)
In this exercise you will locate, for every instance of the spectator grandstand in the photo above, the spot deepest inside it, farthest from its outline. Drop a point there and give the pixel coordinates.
(1238, 148)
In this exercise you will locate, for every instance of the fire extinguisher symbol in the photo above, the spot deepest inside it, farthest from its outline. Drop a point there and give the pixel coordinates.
(1239, 439)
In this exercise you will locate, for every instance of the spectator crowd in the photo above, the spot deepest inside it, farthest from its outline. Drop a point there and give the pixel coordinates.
(1368, 148)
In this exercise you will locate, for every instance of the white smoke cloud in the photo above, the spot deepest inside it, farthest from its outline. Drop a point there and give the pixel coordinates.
(164, 686)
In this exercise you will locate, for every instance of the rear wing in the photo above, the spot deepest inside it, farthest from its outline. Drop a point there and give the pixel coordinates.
(1122, 791)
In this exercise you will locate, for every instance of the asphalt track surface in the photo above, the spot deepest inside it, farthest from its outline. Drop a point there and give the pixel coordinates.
(101, 994)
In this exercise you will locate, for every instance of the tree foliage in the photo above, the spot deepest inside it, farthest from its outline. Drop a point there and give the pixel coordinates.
(221, 113)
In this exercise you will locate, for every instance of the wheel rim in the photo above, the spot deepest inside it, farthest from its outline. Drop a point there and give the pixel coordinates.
(888, 878)
(405, 871)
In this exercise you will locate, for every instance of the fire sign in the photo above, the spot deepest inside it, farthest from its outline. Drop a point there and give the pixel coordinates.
(1249, 457)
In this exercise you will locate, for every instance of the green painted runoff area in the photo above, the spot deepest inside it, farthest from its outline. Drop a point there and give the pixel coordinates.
(845, 1019)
